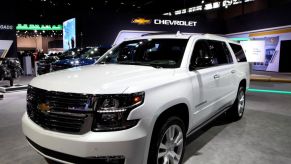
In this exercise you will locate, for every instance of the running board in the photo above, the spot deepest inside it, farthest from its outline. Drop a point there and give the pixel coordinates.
(224, 109)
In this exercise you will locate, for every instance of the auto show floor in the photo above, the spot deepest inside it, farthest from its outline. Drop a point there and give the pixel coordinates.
(263, 136)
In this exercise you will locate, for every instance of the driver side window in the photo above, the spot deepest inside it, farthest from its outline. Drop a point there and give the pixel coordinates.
(201, 56)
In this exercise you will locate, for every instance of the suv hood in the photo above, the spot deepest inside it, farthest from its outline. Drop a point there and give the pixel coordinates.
(103, 79)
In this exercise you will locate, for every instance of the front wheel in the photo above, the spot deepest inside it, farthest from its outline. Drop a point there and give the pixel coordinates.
(168, 142)
(11, 81)
(237, 110)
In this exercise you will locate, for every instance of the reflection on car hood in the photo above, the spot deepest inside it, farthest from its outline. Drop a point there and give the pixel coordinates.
(75, 61)
(103, 79)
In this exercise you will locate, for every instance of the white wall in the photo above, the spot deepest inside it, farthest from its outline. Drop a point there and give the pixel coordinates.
(29, 42)
(35, 42)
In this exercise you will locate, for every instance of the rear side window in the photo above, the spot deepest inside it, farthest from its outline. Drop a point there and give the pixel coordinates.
(220, 52)
(239, 52)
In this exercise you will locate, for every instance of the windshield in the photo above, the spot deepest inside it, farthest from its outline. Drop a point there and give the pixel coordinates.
(94, 52)
(73, 53)
(159, 53)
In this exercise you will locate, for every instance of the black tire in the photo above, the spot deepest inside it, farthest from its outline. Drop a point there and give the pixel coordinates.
(159, 134)
(236, 112)
(11, 81)
(49, 161)
(16, 75)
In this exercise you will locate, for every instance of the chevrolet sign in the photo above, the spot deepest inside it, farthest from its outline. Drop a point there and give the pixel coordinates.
(141, 21)
(175, 22)
(43, 107)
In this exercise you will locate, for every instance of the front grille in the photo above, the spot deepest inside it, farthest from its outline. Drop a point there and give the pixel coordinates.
(59, 111)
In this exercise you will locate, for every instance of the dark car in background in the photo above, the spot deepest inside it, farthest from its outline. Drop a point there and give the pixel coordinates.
(82, 59)
(10, 69)
(45, 65)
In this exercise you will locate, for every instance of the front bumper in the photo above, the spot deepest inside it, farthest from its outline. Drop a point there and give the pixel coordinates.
(129, 144)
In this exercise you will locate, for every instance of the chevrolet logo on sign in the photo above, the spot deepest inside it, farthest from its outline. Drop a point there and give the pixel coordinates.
(43, 107)
(141, 21)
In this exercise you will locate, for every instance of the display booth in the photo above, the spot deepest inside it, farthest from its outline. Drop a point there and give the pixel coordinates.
(275, 50)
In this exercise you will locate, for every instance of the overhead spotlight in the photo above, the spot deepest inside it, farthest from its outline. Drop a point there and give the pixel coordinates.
(122, 3)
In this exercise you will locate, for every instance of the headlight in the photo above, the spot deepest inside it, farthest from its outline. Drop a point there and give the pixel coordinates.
(76, 62)
(112, 111)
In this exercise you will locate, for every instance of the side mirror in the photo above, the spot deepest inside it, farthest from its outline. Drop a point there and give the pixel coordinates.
(200, 63)
(192, 67)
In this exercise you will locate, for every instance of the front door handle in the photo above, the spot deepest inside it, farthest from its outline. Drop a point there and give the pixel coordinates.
(216, 76)
(233, 71)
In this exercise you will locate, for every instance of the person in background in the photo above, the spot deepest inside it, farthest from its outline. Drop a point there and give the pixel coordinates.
(20, 57)
(73, 42)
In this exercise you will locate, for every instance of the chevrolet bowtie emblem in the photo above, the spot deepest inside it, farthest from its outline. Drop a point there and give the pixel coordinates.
(44, 107)
(141, 21)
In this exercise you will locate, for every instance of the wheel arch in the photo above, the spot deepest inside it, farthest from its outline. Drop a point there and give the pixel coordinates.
(243, 83)
(180, 110)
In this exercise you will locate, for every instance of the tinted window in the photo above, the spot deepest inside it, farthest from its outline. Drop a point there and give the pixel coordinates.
(166, 53)
(239, 53)
(94, 52)
(220, 52)
(201, 56)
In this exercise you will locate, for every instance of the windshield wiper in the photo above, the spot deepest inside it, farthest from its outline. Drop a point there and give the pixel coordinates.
(138, 63)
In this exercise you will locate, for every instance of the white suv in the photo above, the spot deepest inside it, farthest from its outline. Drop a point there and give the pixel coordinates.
(139, 102)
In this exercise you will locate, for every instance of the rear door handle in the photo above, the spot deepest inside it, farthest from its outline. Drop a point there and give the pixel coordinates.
(233, 71)
(216, 76)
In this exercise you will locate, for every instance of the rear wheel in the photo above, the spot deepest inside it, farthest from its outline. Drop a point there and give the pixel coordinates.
(11, 81)
(237, 110)
(168, 141)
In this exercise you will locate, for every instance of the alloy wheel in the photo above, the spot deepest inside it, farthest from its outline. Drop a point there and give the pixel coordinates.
(241, 102)
(171, 146)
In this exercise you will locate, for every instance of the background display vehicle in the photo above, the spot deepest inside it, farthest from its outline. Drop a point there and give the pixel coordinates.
(146, 96)
(45, 65)
(10, 69)
(87, 58)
